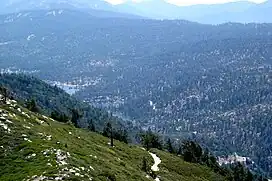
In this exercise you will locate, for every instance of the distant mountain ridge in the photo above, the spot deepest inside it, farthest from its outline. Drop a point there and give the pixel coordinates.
(96, 8)
(241, 11)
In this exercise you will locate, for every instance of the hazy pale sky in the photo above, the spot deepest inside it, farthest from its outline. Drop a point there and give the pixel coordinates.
(187, 2)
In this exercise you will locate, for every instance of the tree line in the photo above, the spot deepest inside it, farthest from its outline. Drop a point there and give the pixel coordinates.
(191, 151)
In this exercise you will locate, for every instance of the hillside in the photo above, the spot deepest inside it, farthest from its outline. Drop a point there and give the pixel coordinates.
(35, 147)
(211, 83)
(53, 99)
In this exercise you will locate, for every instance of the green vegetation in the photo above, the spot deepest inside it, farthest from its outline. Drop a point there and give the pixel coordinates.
(186, 172)
(53, 101)
(187, 79)
(37, 147)
(192, 152)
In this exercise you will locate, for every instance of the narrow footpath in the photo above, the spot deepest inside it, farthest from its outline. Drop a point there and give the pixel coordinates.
(155, 167)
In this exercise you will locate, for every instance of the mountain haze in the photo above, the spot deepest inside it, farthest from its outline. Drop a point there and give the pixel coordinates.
(188, 83)
(188, 79)
(241, 11)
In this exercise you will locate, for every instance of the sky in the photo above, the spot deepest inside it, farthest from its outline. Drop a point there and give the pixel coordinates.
(187, 2)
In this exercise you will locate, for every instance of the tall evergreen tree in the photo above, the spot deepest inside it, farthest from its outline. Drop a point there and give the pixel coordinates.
(239, 172)
(124, 137)
(111, 138)
(4, 92)
(192, 152)
(249, 176)
(169, 146)
(75, 117)
(32, 106)
(108, 132)
(205, 157)
(179, 150)
(150, 140)
(61, 117)
(91, 126)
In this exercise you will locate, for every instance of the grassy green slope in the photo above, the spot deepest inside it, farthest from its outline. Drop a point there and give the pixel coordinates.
(50, 98)
(35, 147)
(173, 168)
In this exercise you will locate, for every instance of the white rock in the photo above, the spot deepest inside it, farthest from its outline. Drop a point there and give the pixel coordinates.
(72, 171)
(8, 121)
(49, 138)
(30, 156)
(5, 127)
(27, 127)
(26, 139)
(44, 117)
(61, 157)
(58, 178)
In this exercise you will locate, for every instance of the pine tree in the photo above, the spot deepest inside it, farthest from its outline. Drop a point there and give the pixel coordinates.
(205, 157)
(108, 132)
(32, 106)
(91, 126)
(59, 117)
(239, 172)
(124, 136)
(249, 176)
(75, 117)
(111, 137)
(192, 152)
(4, 92)
(169, 146)
(179, 150)
(150, 140)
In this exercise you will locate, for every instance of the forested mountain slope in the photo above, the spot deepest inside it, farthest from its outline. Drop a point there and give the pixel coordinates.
(184, 79)
(35, 147)
(51, 99)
